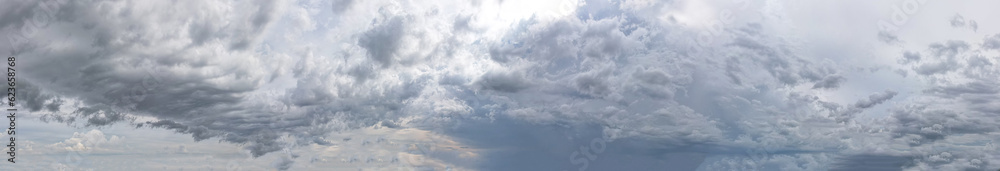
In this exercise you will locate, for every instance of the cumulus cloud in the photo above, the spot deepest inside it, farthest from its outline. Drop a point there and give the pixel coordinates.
(950, 112)
(275, 76)
(176, 69)
(383, 40)
(89, 141)
(203, 74)
(948, 49)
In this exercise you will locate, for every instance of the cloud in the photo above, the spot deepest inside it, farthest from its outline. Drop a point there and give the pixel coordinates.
(873, 162)
(383, 40)
(910, 57)
(207, 76)
(992, 43)
(176, 70)
(887, 37)
(875, 99)
(948, 49)
(945, 58)
(283, 164)
(848, 113)
(829, 82)
(504, 81)
(339, 6)
(89, 141)
(932, 124)
(949, 112)
(519, 93)
(959, 22)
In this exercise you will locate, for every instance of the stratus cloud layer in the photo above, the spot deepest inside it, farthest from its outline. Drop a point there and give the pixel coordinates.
(639, 74)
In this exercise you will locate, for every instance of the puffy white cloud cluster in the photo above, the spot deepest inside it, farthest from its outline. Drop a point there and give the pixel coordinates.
(88, 141)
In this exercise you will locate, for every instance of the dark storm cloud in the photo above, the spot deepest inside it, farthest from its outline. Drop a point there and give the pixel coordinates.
(16, 14)
(123, 65)
(101, 116)
(36, 100)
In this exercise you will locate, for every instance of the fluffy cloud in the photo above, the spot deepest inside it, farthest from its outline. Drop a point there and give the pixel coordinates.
(89, 141)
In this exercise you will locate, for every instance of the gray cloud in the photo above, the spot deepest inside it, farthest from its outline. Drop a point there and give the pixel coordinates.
(504, 81)
(384, 39)
(339, 6)
(849, 112)
(873, 162)
(937, 67)
(909, 56)
(16, 14)
(949, 49)
(949, 111)
(534, 89)
(960, 22)
(593, 84)
(283, 164)
(992, 43)
(135, 72)
(979, 61)
(875, 99)
(945, 58)
(887, 37)
(830, 82)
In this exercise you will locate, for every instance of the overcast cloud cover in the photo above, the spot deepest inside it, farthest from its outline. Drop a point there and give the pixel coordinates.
(505, 85)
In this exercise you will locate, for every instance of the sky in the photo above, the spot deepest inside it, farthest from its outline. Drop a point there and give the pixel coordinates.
(504, 84)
